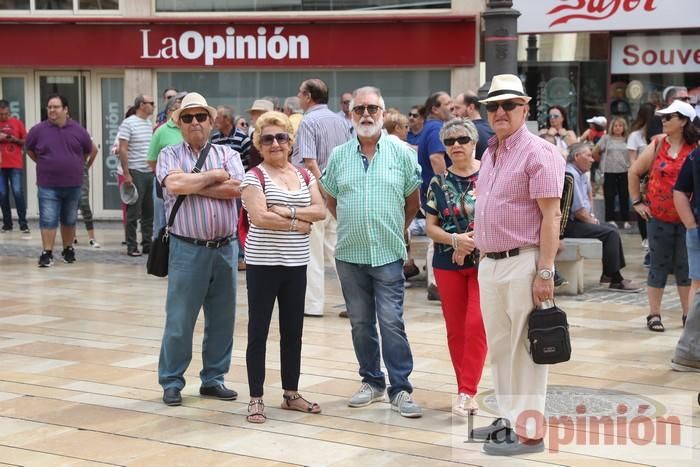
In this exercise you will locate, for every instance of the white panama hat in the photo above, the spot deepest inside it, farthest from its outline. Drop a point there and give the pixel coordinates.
(504, 87)
(194, 100)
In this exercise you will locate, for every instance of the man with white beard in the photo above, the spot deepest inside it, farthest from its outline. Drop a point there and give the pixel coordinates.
(372, 187)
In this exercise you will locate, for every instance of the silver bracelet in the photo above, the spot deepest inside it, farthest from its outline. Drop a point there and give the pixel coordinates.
(293, 211)
(454, 241)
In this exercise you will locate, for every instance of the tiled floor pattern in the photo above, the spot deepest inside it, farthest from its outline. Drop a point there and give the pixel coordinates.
(78, 385)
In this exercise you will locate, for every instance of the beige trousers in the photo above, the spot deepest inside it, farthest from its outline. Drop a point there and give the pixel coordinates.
(505, 287)
(322, 244)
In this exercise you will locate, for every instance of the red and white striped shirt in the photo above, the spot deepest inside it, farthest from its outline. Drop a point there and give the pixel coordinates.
(507, 214)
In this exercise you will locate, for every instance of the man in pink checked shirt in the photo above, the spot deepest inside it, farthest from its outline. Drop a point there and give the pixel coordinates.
(517, 232)
(203, 259)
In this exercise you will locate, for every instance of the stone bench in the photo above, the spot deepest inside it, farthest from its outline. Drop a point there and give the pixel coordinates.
(569, 262)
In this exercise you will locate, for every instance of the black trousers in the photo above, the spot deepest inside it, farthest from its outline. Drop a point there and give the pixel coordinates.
(615, 186)
(613, 256)
(287, 286)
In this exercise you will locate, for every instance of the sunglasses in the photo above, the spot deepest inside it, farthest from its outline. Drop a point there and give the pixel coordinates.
(170, 96)
(669, 117)
(684, 99)
(412, 115)
(359, 110)
(554, 116)
(149, 102)
(507, 106)
(267, 140)
(460, 139)
(201, 118)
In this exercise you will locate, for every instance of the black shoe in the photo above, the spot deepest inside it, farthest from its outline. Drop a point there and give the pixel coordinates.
(6, 228)
(172, 397)
(133, 253)
(146, 249)
(433, 294)
(559, 280)
(25, 229)
(605, 279)
(46, 259)
(220, 392)
(484, 433)
(68, 255)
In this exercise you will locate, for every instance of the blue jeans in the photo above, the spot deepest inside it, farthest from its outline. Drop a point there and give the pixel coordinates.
(159, 219)
(376, 294)
(11, 179)
(198, 277)
(58, 204)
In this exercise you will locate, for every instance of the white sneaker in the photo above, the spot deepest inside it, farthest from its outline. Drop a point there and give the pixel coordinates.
(466, 405)
(613, 223)
(94, 244)
(627, 225)
(645, 244)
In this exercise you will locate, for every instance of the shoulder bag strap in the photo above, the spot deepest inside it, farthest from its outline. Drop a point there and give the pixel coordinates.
(261, 178)
(305, 175)
(197, 168)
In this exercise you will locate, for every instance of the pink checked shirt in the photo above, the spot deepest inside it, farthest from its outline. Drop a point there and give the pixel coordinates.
(507, 214)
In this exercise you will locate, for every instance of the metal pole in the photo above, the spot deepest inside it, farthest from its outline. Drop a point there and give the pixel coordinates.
(500, 40)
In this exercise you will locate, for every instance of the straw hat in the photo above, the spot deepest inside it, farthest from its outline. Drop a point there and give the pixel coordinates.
(262, 105)
(194, 100)
(504, 87)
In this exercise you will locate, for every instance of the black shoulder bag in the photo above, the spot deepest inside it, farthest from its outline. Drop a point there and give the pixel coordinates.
(160, 249)
(548, 333)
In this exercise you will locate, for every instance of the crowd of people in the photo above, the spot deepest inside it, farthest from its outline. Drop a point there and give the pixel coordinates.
(315, 186)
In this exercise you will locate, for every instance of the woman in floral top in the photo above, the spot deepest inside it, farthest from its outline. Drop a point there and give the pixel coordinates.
(449, 220)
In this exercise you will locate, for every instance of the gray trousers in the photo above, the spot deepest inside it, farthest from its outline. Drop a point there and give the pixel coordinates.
(142, 209)
(688, 346)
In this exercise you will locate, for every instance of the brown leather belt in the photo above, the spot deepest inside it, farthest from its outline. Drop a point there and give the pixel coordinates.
(205, 243)
(509, 253)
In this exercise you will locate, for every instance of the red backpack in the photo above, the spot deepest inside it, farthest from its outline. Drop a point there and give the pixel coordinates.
(243, 222)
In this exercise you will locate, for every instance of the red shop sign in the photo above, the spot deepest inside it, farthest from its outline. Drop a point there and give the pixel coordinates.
(330, 44)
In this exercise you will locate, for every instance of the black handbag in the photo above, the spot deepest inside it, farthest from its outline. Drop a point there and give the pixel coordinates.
(548, 332)
(157, 264)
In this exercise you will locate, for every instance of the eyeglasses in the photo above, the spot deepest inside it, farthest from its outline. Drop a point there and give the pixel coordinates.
(170, 96)
(149, 102)
(201, 118)
(554, 116)
(267, 140)
(346, 102)
(460, 139)
(669, 117)
(684, 99)
(507, 106)
(360, 109)
(413, 115)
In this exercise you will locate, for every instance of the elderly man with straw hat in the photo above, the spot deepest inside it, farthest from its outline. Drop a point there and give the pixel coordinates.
(517, 232)
(203, 251)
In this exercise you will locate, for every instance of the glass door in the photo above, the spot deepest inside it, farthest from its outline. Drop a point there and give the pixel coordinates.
(72, 86)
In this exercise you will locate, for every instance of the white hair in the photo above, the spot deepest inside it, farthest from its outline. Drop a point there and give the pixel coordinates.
(367, 90)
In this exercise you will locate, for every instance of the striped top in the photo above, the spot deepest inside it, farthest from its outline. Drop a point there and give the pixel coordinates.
(265, 247)
(138, 132)
(200, 217)
(371, 197)
(319, 133)
(237, 140)
(507, 213)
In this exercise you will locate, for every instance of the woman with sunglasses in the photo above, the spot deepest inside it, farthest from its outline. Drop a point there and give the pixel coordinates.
(558, 127)
(663, 159)
(449, 223)
(282, 203)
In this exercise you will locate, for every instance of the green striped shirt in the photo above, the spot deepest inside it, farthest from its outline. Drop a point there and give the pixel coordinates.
(370, 200)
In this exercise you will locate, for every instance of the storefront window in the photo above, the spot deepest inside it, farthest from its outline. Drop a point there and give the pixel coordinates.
(295, 5)
(401, 89)
(69, 5)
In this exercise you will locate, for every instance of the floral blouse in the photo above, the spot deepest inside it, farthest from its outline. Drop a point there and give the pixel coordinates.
(451, 199)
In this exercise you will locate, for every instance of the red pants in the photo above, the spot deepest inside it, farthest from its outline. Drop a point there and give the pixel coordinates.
(466, 338)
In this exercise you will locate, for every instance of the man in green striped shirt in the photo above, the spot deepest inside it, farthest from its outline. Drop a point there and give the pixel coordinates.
(372, 190)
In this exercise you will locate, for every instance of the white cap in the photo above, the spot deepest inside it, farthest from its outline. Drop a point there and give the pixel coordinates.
(680, 107)
(598, 120)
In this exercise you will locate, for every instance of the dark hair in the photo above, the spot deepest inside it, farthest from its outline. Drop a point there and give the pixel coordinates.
(690, 133)
(644, 115)
(472, 100)
(430, 102)
(130, 111)
(64, 101)
(317, 89)
(165, 91)
(564, 121)
(4, 104)
(140, 99)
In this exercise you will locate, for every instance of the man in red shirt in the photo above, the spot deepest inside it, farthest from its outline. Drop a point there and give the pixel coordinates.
(12, 135)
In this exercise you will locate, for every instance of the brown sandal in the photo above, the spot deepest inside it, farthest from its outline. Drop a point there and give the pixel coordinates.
(256, 411)
(311, 407)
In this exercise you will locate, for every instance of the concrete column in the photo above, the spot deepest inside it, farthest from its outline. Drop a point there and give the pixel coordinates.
(138, 81)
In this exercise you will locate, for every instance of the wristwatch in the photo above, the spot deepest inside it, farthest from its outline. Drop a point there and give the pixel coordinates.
(545, 274)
